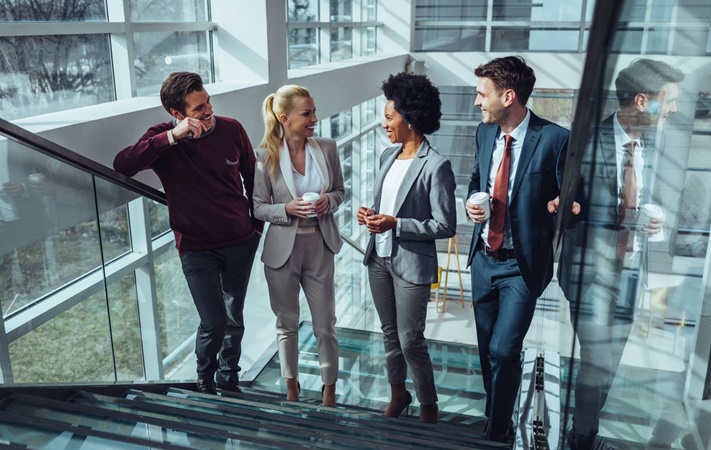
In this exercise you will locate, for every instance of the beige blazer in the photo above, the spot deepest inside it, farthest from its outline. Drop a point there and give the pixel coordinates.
(272, 191)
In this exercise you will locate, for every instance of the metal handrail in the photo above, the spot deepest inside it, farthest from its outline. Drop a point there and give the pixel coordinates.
(74, 159)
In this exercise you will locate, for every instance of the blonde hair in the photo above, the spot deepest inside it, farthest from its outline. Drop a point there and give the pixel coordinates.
(281, 102)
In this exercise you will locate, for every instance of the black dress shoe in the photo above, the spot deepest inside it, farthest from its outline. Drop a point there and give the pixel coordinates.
(228, 382)
(510, 434)
(206, 386)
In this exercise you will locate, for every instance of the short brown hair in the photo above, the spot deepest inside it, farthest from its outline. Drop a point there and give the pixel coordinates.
(510, 72)
(176, 87)
(644, 76)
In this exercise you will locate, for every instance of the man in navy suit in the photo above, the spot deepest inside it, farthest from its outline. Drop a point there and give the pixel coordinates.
(519, 162)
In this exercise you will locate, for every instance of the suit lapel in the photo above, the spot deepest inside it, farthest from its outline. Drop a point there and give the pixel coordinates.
(418, 162)
(487, 153)
(530, 144)
(285, 167)
(320, 160)
(384, 168)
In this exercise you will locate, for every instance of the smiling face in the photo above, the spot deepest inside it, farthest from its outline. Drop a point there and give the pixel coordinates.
(197, 106)
(394, 125)
(491, 101)
(301, 120)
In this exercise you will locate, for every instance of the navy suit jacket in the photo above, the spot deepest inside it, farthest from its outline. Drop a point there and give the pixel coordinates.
(538, 177)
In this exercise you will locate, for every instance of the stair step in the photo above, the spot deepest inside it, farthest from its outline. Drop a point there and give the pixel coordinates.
(34, 432)
(123, 423)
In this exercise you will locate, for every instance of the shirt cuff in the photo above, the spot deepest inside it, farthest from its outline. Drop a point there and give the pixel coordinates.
(397, 228)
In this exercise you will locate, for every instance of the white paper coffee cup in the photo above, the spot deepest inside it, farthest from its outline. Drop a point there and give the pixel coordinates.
(647, 212)
(36, 177)
(311, 197)
(481, 199)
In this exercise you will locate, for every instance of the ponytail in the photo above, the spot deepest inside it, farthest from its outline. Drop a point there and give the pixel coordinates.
(272, 133)
(274, 106)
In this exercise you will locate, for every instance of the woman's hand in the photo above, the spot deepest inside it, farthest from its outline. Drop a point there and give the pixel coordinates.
(321, 205)
(380, 223)
(362, 213)
(299, 208)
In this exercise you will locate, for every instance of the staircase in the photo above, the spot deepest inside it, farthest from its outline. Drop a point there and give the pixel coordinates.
(162, 417)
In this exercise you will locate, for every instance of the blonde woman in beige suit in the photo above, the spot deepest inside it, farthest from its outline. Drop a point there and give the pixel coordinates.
(302, 237)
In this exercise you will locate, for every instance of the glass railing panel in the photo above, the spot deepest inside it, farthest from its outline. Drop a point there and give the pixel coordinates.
(48, 225)
(177, 313)
(74, 346)
(638, 304)
(158, 214)
(126, 332)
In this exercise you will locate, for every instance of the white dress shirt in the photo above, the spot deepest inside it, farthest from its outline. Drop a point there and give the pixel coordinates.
(518, 134)
(391, 184)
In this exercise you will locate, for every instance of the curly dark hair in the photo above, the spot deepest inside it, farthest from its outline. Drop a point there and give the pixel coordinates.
(510, 72)
(176, 87)
(416, 99)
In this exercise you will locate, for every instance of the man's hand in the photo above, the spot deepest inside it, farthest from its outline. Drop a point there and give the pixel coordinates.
(189, 127)
(476, 213)
(553, 206)
(380, 223)
(362, 213)
(654, 226)
(12, 188)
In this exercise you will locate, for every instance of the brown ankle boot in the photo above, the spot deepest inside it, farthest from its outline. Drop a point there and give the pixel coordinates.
(400, 399)
(429, 413)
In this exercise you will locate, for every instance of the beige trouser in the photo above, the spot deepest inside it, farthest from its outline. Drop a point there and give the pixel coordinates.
(311, 266)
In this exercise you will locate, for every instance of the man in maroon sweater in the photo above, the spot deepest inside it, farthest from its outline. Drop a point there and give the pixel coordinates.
(201, 159)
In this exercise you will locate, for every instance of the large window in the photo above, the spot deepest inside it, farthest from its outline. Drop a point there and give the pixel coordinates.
(336, 30)
(93, 53)
(646, 26)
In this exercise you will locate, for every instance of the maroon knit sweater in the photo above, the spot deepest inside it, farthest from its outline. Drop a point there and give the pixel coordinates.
(207, 205)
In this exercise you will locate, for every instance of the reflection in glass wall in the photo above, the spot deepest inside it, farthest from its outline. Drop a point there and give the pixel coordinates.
(54, 11)
(160, 54)
(338, 31)
(42, 74)
(48, 224)
(633, 262)
(168, 10)
(341, 43)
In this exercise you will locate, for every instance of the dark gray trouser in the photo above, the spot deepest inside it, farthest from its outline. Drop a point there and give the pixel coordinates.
(402, 308)
(218, 283)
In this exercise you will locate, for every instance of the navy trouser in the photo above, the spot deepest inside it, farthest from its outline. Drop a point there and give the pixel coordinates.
(218, 282)
(503, 310)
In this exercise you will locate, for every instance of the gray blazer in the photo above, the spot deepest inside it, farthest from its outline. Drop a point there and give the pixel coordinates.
(272, 191)
(425, 209)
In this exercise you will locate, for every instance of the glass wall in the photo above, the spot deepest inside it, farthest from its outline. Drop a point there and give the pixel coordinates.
(323, 31)
(64, 54)
(633, 263)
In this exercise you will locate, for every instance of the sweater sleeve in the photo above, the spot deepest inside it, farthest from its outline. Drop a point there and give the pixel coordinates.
(141, 155)
(246, 168)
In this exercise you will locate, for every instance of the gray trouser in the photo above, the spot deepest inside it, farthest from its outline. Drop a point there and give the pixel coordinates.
(402, 308)
(311, 266)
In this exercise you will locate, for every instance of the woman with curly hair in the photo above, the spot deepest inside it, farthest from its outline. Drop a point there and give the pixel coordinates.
(414, 206)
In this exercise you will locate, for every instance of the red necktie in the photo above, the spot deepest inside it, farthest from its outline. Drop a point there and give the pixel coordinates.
(625, 237)
(498, 199)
